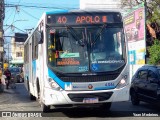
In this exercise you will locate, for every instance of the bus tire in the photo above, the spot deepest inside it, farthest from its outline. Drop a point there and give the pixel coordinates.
(106, 106)
(38, 93)
(45, 108)
(30, 95)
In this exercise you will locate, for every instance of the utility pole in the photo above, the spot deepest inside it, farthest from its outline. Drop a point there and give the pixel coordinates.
(1, 31)
(8, 53)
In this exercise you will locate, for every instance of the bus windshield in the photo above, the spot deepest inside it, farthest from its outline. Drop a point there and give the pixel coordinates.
(67, 50)
(107, 49)
(98, 48)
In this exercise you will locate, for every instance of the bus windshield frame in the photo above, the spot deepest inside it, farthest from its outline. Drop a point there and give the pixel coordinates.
(83, 41)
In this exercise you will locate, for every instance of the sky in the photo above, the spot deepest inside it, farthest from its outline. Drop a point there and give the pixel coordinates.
(27, 14)
(24, 16)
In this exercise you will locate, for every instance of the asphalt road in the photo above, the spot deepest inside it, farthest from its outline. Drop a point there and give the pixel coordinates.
(18, 100)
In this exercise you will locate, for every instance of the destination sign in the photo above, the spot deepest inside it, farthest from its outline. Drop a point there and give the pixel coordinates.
(84, 18)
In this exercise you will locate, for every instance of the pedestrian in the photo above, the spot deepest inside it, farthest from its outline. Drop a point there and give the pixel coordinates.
(1, 81)
(7, 73)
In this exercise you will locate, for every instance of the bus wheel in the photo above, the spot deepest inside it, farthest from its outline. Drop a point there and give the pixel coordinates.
(106, 106)
(134, 98)
(32, 97)
(45, 108)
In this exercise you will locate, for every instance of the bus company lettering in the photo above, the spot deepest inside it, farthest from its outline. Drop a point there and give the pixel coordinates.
(109, 61)
(67, 61)
(90, 19)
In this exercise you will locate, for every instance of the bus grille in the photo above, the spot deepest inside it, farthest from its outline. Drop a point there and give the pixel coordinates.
(79, 97)
(89, 78)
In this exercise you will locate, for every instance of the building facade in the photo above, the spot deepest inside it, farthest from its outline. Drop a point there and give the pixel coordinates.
(17, 53)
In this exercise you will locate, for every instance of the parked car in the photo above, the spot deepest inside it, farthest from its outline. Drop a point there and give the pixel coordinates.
(16, 74)
(146, 85)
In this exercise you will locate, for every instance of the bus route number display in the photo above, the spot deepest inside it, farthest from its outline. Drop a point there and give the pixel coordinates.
(83, 18)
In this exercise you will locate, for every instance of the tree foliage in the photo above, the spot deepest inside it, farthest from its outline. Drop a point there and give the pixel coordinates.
(154, 52)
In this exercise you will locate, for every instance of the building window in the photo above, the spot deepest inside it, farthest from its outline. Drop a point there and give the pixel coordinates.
(18, 54)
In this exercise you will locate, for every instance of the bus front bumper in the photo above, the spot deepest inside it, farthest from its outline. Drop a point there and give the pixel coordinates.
(62, 97)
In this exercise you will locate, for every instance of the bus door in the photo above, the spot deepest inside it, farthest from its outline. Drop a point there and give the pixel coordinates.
(30, 64)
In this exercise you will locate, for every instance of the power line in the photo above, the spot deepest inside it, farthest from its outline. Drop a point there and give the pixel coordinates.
(34, 6)
(9, 16)
(14, 16)
(39, 3)
(30, 14)
(15, 27)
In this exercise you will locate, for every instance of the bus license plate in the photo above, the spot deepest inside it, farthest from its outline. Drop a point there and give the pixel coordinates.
(90, 100)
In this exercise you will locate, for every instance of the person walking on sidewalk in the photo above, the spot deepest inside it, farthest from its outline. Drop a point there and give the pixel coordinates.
(2, 82)
(7, 73)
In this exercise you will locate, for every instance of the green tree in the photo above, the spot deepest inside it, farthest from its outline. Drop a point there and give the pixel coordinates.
(154, 52)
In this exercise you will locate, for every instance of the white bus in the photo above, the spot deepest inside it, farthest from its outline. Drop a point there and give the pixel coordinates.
(77, 58)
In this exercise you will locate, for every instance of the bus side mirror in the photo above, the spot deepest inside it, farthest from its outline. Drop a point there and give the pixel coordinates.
(40, 40)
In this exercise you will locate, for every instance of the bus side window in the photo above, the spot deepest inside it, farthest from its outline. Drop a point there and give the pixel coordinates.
(58, 44)
(51, 48)
(52, 41)
(55, 42)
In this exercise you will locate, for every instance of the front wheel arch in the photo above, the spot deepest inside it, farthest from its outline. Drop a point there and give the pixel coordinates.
(134, 97)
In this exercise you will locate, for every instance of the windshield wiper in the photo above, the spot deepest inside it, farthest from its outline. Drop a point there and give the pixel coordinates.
(99, 33)
(75, 36)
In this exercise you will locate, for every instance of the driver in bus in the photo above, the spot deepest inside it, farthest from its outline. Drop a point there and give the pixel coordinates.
(99, 52)
(104, 51)
(100, 48)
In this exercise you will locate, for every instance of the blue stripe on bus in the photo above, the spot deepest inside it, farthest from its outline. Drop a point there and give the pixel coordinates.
(34, 69)
(34, 65)
(57, 80)
(56, 11)
(105, 88)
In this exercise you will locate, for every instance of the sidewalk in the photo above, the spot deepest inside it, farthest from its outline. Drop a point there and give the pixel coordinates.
(6, 95)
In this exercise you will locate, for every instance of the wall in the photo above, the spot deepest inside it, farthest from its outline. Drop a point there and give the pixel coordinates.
(17, 47)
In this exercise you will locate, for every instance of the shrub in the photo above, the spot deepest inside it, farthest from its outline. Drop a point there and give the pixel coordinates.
(154, 53)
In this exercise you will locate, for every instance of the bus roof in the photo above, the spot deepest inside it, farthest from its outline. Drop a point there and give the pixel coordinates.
(79, 11)
(56, 11)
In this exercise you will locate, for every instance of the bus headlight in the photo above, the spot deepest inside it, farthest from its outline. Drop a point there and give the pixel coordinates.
(53, 84)
(123, 82)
